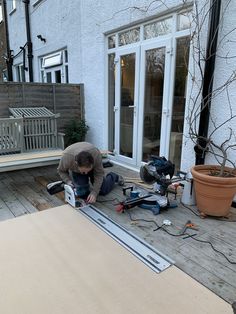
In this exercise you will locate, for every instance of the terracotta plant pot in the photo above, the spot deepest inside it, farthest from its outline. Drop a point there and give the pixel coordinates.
(214, 194)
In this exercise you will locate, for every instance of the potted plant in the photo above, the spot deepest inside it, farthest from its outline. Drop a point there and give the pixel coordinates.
(75, 131)
(212, 133)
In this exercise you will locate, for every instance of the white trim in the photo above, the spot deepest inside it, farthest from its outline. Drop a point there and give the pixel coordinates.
(52, 60)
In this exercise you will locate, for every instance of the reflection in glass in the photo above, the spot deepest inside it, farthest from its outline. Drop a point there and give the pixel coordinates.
(127, 104)
(184, 21)
(111, 41)
(49, 77)
(129, 37)
(181, 72)
(157, 28)
(154, 82)
(111, 101)
(58, 76)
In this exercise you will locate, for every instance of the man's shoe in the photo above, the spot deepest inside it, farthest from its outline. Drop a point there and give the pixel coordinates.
(121, 181)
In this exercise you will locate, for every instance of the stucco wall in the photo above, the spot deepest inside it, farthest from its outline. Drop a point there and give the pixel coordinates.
(80, 26)
(223, 104)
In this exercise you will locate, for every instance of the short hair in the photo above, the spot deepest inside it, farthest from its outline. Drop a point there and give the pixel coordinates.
(84, 159)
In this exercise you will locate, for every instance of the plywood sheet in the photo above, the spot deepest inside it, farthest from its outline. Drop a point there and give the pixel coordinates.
(57, 261)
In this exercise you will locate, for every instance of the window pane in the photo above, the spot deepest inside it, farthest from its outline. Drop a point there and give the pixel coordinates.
(181, 72)
(184, 21)
(66, 55)
(58, 76)
(67, 74)
(111, 41)
(154, 86)
(158, 28)
(49, 77)
(42, 76)
(129, 37)
(127, 104)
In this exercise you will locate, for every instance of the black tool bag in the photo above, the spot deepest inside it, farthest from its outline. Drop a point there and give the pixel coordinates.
(55, 187)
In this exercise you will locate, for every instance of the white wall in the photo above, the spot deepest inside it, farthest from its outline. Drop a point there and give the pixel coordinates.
(80, 26)
(225, 66)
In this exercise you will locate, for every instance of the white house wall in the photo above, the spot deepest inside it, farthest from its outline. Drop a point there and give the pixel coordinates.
(225, 67)
(80, 26)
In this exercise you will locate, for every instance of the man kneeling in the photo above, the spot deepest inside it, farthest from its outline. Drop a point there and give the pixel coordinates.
(81, 164)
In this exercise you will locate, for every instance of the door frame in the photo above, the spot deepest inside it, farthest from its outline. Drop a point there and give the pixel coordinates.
(167, 88)
(122, 52)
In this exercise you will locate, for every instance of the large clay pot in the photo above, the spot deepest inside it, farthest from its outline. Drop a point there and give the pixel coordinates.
(214, 194)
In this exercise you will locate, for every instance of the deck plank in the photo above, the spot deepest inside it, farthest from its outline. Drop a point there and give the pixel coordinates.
(5, 212)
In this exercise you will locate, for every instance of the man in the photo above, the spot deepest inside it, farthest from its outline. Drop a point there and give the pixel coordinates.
(82, 162)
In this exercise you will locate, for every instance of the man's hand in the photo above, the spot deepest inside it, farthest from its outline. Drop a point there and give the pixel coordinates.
(70, 183)
(91, 198)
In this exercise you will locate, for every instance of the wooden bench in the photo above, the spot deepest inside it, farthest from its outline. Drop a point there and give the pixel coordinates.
(30, 139)
(29, 160)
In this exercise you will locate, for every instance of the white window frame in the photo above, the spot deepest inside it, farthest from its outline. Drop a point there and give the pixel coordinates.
(52, 60)
(1, 13)
(51, 63)
(12, 6)
(19, 70)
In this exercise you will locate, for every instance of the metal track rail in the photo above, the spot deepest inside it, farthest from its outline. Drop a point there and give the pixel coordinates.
(146, 253)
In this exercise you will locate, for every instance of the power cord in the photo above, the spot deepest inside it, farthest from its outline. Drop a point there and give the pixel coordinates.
(179, 235)
(196, 214)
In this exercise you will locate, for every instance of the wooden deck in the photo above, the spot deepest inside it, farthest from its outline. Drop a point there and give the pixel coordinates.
(23, 192)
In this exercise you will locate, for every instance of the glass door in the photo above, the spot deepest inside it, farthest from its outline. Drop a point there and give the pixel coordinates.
(126, 96)
(154, 94)
(53, 75)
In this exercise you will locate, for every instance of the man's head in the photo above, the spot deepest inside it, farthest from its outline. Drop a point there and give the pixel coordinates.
(85, 162)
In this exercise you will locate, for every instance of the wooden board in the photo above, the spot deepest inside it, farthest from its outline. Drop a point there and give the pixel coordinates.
(29, 160)
(57, 261)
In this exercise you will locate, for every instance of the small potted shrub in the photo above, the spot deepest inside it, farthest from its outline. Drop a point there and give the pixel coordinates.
(75, 131)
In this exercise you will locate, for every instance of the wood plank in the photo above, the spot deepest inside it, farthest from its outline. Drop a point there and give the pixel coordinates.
(13, 204)
(34, 198)
(5, 212)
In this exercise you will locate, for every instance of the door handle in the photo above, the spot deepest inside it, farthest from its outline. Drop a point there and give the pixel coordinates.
(132, 106)
(166, 111)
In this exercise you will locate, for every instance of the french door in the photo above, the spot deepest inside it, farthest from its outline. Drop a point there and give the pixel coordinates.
(154, 100)
(141, 102)
(126, 104)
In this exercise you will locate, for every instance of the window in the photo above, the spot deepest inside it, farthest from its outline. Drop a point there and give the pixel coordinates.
(4, 75)
(52, 60)
(54, 67)
(20, 73)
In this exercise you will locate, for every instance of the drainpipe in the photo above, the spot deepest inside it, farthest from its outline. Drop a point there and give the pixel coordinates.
(208, 78)
(9, 60)
(29, 42)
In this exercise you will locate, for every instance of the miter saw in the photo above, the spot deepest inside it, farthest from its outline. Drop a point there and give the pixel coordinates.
(159, 172)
